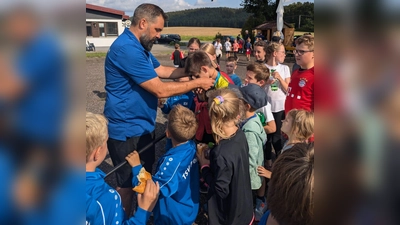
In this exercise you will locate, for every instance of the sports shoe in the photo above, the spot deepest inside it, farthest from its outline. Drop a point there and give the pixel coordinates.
(261, 207)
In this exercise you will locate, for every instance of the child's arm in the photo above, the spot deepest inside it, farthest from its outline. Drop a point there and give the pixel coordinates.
(264, 172)
(167, 175)
(167, 106)
(218, 179)
(270, 127)
(134, 160)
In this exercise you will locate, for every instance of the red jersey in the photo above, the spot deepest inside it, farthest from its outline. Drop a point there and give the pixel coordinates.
(300, 93)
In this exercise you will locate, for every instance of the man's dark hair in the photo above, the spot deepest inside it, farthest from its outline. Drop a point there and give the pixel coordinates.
(149, 12)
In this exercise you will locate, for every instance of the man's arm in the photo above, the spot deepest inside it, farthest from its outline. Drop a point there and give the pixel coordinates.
(167, 89)
(11, 85)
(168, 72)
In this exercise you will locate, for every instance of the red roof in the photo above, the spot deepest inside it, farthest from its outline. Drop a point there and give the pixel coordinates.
(107, 10)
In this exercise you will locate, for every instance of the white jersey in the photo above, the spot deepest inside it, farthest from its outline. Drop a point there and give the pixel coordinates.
(266, 110)
(228, 46)
(277, 98)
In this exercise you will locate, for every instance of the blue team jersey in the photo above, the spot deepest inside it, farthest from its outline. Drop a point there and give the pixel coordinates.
(178, 175)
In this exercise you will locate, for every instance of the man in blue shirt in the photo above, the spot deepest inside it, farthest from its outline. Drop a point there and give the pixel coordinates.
(133, 87)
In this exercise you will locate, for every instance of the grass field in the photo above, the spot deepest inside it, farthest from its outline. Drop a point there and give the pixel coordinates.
(207, 33)
(203, 33)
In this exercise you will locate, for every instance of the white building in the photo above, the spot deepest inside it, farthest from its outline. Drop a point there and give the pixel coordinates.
(103, 25)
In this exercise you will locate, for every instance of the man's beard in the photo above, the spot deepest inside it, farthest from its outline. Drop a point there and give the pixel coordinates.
(146, 42)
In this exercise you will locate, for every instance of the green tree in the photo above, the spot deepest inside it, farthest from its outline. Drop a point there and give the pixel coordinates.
(261, 8)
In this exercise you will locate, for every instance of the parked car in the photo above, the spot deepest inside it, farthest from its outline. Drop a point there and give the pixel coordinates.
(168, 38)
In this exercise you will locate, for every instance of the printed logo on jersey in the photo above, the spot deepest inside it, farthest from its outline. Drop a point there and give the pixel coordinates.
(187, 171)
(302, 82)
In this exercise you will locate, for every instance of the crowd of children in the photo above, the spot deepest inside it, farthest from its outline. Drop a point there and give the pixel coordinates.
(244, 123)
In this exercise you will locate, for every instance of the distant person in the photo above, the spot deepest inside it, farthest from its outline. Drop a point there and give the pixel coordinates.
(177, 55)
(228, 48)
(230, 70)
(133, 87)
(192, 46)
(249, 48)
(218, 49)
(245, 37)
(235, 48)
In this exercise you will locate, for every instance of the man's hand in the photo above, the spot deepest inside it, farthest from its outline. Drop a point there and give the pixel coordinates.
(133, 159)
(149, 198)
(205, 82)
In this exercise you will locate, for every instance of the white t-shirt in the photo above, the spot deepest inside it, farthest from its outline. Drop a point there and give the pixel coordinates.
(266, 110)
(277, 98)
(228, 46)
(218, 48)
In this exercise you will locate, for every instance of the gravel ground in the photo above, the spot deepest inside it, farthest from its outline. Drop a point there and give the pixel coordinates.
(95, 94)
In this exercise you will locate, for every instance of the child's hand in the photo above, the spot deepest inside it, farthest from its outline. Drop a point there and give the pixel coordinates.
(202, 159)
(263, 172)
(148, 199)
(133, 159)
(161, 103)
(277, 76)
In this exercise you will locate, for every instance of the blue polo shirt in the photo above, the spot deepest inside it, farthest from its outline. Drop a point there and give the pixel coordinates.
(131, 110)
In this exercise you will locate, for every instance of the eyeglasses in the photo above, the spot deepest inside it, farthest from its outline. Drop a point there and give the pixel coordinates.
(301, 52)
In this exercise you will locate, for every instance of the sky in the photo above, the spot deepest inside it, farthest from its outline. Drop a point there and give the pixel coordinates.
(128, 6)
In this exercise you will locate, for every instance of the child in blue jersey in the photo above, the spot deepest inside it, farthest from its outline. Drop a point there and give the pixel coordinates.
(103, 203)
(177, 171)
(230, 70)
(186, 100)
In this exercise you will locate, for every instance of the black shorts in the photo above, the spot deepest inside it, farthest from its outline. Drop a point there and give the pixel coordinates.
(227, 51)
(118, 150)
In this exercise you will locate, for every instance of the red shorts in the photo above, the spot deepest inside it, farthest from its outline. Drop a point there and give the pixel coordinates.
(248, 52)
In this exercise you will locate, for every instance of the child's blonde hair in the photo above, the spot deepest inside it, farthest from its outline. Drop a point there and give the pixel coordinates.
(96, 132)
(182, 124)
(302, 123)
(224, 106)
(271, 48)
(260, 70)
(208, 48)
(308, 41)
